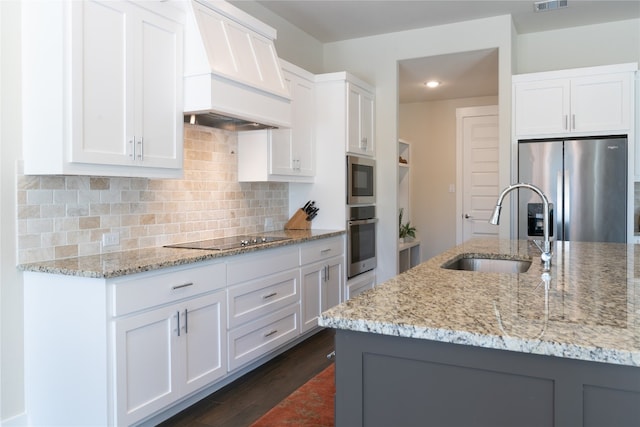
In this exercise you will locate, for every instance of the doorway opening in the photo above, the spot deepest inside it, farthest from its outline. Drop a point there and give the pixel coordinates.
(427, 119)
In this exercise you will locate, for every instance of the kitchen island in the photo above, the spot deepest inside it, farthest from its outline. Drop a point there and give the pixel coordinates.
(435, 346)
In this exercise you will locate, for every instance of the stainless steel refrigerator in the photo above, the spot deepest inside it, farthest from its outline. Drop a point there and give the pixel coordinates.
(586, 183)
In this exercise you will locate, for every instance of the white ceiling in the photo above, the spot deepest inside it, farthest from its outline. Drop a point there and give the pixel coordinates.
(462, 75)
(335, 20)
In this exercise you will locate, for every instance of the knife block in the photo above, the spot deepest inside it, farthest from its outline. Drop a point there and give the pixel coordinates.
(298, 221)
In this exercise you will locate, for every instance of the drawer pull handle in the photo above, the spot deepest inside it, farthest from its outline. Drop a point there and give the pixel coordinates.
(268, 334)
(272, 294)
(325, 251)
(182, 286)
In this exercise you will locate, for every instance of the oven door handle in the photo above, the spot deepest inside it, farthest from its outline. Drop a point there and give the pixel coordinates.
(363, 221)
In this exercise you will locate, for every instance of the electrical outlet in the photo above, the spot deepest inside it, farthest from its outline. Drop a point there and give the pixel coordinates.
(268, 224)
(111, 239)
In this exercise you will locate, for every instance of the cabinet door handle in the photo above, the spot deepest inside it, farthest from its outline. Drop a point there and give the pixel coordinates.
(328, 273)
(268, 334)
(186, 321)
(132, 149)
(178, 317)
(566, 122)
(182, 286)
(141, 150)
(573, 122)
(325, 251)
(272, 294)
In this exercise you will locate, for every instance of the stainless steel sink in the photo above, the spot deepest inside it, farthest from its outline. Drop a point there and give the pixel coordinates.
(488, 265)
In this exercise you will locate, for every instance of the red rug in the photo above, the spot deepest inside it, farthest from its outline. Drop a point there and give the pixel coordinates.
(309, 406)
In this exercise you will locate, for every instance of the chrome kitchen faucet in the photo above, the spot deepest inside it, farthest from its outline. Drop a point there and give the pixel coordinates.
(545, 249)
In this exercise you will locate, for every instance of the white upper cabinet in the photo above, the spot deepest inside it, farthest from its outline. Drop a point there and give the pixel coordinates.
(601, 103)
(346, 110)
(115, 88)
(588, 101)
(541, 107)
(286, 154)
(360, 114)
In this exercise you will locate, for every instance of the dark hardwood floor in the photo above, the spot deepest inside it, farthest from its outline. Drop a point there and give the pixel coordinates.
(245, 400)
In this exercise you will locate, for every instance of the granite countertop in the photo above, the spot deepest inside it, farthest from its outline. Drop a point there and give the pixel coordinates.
(590, 312)
(116, 264)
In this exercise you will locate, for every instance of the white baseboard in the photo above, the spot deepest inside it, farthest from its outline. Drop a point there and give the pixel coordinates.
(15, 421)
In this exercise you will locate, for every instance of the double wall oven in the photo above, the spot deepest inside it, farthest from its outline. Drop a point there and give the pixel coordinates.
(361, 240)
(361, 214)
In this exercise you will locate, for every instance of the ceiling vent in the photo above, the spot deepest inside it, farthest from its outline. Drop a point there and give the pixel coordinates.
(542, 6)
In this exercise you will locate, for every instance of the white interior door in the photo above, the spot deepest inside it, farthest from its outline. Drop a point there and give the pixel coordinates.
(477, 171)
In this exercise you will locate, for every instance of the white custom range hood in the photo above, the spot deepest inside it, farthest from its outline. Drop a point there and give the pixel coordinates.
(233, 79)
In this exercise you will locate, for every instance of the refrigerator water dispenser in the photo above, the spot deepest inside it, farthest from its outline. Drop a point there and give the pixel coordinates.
(535, 219)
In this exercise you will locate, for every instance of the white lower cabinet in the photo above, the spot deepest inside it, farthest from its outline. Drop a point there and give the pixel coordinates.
(321, 285)
(323, 277)
(110, 352)
(122, 351)
(263, 302)
(359, 284)
(263, 314)
(167, 353)
(254, 339)
(170, 338)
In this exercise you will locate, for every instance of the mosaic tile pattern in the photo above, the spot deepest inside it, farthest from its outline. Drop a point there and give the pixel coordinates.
(590, 310)
(65, 216)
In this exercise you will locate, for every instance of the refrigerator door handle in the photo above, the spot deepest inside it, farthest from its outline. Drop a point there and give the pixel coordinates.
(557, 209)
(567, 206)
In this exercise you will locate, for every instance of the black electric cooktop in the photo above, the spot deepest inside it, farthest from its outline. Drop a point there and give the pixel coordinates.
(224, 243)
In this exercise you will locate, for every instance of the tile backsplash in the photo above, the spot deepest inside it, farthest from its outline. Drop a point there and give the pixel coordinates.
(66, 216)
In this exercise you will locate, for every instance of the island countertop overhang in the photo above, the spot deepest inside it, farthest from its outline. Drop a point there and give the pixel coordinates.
(590, 310)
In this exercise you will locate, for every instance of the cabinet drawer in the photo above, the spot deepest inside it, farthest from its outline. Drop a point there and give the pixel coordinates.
(252, 340)
(360, 284)
(166, 286)
(321, 249)
(243, 268)
(249, 301)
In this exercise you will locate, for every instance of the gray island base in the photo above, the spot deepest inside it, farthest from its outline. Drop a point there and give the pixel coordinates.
(384, 381)
(442, 347)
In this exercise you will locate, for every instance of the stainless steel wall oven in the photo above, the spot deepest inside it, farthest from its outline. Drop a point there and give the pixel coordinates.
(361, 180)
(361, 240)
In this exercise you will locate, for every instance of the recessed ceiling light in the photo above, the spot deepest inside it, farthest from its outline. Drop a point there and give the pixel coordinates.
(432, 83)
